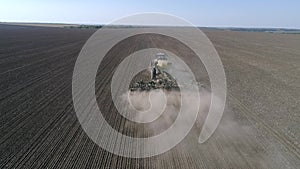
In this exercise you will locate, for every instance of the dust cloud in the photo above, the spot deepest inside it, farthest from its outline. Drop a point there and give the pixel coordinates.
(165, 106)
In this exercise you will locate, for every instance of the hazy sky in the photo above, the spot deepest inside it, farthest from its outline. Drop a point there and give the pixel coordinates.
(227, 13)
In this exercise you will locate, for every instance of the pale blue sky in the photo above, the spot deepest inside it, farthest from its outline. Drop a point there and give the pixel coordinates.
(227, 13)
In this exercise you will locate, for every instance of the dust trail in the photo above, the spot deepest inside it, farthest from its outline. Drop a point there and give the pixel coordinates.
(240, 141)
